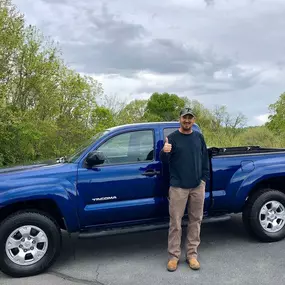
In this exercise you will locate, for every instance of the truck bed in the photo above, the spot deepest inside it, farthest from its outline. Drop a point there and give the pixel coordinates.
(243, 150)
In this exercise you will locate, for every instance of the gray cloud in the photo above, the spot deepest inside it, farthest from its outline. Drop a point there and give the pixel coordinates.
(209, 2)
(57, 1)
(112, 29)
(124, 56)
(202, 84)
(111, 45)
(222, 53)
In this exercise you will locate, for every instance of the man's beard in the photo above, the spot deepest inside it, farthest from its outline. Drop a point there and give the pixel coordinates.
(186, 127)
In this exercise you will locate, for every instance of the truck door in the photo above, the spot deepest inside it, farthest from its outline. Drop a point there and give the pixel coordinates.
(125, 187)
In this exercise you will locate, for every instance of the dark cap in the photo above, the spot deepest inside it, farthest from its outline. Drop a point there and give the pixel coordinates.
(187, 111)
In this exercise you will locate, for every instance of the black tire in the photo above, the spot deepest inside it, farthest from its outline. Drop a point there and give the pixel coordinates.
(251, 215)
(43, 222)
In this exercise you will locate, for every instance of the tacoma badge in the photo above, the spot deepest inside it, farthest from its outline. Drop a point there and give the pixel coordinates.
(104, 198)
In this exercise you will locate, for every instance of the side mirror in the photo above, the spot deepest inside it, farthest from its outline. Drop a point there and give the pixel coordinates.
(95, 158)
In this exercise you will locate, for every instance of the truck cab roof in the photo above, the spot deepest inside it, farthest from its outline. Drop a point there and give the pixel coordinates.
(137, 126)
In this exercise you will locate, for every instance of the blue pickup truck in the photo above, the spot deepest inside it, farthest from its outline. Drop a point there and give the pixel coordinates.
(116, 183)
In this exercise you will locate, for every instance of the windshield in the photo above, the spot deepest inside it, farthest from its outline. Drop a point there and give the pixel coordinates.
(86, 144)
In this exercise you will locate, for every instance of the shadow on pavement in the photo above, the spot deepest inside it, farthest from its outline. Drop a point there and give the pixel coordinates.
(151, 243)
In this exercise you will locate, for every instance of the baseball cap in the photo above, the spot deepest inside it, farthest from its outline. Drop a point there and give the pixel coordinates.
(187, 111)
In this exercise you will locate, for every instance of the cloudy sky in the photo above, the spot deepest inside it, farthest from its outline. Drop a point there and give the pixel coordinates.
(219, 52)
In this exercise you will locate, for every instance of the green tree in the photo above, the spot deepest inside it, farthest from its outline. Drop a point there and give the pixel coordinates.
(222, 118)
(261, 135)
(102, 118)
(46, 108)
(277, 118)
(11, 37)
(164, 107)
(134, 112)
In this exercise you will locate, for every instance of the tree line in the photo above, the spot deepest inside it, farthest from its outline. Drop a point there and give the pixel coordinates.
(47, 109)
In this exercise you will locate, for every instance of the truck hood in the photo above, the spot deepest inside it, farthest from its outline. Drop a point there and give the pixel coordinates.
(21, 168)
(33, 174)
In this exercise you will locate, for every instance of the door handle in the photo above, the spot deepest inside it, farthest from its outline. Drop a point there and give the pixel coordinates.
(151, 172)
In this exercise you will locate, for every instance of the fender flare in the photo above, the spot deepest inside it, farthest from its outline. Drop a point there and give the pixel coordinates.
(64, 198)
(258, 175)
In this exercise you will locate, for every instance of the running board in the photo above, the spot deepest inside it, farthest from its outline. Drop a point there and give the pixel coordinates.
(144, 228)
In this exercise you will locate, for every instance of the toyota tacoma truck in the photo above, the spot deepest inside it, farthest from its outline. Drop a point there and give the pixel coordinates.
(117, 183)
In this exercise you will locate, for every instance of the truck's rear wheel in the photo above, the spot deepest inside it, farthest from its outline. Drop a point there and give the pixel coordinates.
(264, 215)
(29, 244)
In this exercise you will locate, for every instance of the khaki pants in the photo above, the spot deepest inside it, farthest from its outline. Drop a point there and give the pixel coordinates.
(178, 199)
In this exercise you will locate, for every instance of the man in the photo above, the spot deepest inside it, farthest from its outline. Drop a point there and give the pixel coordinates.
(186, 152)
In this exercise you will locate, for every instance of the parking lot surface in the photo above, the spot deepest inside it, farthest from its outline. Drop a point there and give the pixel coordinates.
(227, 256)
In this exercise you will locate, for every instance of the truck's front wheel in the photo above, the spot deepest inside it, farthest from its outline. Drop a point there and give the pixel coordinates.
(264, 215)
(30, 243)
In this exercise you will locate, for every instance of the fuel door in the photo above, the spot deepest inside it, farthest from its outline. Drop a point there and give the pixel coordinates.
(247, 165)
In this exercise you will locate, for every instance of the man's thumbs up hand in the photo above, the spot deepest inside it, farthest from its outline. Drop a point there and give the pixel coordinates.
(167, 146)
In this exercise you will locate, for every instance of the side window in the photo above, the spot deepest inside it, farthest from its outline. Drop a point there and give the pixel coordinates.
(168, 131)
(116, 146)
(129, 147)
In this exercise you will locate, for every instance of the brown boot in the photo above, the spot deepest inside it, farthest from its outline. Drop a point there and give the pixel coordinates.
(193, 263)
(172, 265)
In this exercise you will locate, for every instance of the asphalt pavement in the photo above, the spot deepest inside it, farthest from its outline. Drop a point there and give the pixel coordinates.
(227, 256)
